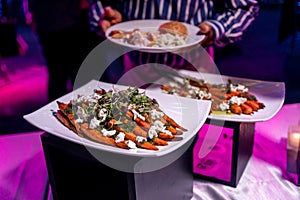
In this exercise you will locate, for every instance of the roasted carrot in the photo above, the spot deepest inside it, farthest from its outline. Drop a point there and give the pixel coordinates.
(218, 91)
(261, 105)
(159, 141)
(165, 88)
(173, 123)
(66, 121)
(111, 122)
(147, 145)
(217, 99)
(236, 109)
(246, 109)
(130, 136)
(96, 135)
(63, 106)
(253, 104)
(165, 136)
(139, 131)
(138, 120)
(122, 145)
(172, 130)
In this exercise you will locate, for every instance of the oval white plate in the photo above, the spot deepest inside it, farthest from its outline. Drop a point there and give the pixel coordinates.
(152, 25)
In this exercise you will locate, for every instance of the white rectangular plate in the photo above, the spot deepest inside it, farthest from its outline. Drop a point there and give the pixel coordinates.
(182, 110)
(270, 93)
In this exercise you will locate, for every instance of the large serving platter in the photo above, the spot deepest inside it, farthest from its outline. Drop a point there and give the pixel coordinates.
(270, 93)
(187, 112)
(152, 26)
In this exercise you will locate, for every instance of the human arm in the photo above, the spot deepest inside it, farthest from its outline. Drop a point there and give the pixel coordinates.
(102, 16)
(229, 22)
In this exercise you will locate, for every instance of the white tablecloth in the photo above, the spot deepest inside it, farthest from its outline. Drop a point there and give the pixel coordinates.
(265, 176)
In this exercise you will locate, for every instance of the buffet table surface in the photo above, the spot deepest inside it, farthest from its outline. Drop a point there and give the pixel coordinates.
(23, 171)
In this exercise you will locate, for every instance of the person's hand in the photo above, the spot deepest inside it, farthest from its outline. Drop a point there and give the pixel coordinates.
(206, 30)
(109, 18)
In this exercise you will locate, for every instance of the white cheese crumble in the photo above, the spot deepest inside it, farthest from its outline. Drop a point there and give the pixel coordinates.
(202, 94)
(103, 114)
(131, 106)
(158, 124)
(94, 123)
(152, 133)
(79, 120)
(120, 137)
(154, 114)
(140, 139)
(156, 128)
(224, 106)
(108, 133)
(237, 100)
(130, 144)
(136, 114)
(238, 87)
(81, 99)
(81, 115)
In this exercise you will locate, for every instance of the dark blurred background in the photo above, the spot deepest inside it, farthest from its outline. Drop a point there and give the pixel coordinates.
(269, 50)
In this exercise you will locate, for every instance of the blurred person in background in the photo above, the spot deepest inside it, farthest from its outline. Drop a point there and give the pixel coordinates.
(63, 30)
(220, 21)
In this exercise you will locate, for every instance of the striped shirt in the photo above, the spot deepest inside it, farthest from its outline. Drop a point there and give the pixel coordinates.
(228, 18)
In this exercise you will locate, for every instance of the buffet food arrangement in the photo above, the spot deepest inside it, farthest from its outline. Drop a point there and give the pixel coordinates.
(229, 98)
(128, 119)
